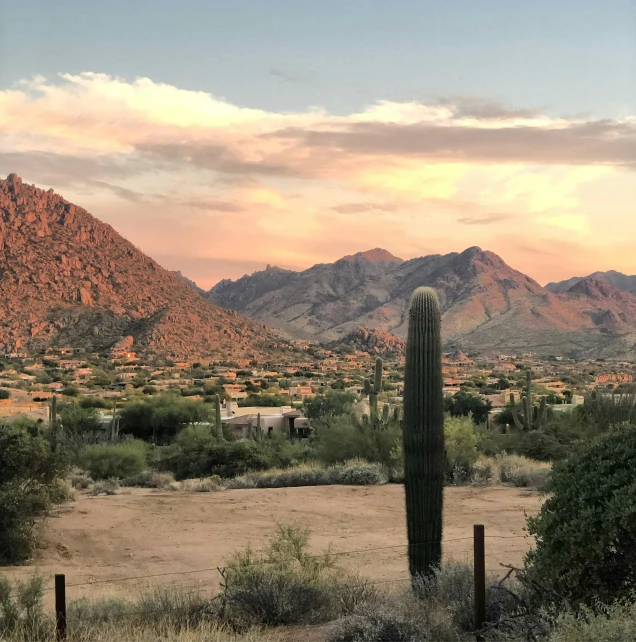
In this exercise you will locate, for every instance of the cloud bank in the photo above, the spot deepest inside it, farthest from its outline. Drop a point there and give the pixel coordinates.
(204, 183)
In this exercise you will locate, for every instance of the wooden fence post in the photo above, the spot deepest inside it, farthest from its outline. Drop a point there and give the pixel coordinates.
(480, 576)
(60, 607)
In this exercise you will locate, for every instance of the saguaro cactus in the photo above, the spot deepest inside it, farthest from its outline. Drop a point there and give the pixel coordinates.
(218, 424)
(374, 390)
(53, 412)
(532, 417)
(423, 433)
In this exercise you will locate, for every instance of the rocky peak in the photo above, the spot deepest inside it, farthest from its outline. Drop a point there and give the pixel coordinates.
(376, 255)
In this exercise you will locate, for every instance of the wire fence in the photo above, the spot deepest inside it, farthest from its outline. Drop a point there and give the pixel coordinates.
(189, 597)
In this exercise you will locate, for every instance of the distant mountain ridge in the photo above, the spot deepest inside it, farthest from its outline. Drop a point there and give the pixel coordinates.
(67, 279)
(487, 306)
(617, 279)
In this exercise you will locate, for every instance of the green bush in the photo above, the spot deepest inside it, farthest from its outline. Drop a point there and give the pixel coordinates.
(523, 472)
(283, 585)
(586, 530)
(149, 479)
(542, 446)
(197, 453)
(328, 405)
(5, 394)
(31, 480)
(159, 418)
(460, 441)
(114, 461)
(340, 438)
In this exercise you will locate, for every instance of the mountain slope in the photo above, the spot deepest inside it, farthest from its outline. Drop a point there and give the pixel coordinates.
(189, 282)
(617, 279)
(67, 279)
(487, 306)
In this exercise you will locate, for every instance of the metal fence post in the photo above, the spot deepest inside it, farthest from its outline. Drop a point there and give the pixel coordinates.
(480, 576)
(60, 607)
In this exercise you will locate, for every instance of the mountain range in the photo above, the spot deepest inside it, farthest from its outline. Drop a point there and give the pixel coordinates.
(67, 279)
(488, 307)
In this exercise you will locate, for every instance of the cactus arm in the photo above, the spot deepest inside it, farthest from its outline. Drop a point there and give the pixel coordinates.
(542, 414)
(423, 433)
(515, 414)
(527, 414)
(385, 413)
(377, 384)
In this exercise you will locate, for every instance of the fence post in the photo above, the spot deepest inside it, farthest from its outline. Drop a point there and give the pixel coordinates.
(60, 607)
(480, 576)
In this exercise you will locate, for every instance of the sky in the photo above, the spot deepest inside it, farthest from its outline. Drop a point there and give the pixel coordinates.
(222, 136)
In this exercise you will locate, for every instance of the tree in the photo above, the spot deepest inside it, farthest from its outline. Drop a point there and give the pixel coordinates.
(331, 404)
(586, 530)
(463, 404)
(31, 474)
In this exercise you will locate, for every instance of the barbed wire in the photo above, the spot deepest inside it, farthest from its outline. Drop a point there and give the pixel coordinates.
(221, 569)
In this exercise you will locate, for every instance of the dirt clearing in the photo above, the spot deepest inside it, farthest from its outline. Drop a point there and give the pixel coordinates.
(176, 535)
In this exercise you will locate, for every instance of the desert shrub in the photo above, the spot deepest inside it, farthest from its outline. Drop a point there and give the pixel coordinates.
(452, 588)
(613, 623)
(282, 585)
(269, 401)
(95, 402)
(21, 610)
(5, 394)
(542, 446)
(117, 461)
(460, 441)
(586, 530)
(81, 481)
(173, 606)
(149, 479)
(104, 487)
(605, 409)
(78, 419)
(340, 438)
(70, 391)
(355, 473)
(31, 480)
(197, 454)
(210, 484)
(523, 472)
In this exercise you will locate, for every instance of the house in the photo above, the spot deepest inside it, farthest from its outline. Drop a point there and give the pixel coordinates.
(284, 420)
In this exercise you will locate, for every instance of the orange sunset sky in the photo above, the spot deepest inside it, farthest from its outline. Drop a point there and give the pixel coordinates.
(220, 186)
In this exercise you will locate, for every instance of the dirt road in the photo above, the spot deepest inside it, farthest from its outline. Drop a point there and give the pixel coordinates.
(175, 535)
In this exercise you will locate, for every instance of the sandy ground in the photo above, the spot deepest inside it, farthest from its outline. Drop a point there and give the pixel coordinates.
(176, 535)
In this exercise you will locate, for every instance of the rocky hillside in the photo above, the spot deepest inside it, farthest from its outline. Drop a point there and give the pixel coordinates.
(371, 341)
(487, 306)
(619, 280)
(67, 279)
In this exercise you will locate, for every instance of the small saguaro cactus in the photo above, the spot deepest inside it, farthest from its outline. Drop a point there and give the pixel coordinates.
(396, 413)
(114, 424)
(218, 424)
(423, 433)
(374, 390)
(532, 418)
(53, 412)
(386, 410)
(258, 432)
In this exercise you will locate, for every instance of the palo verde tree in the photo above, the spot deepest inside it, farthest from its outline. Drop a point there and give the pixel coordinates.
(423, 433)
